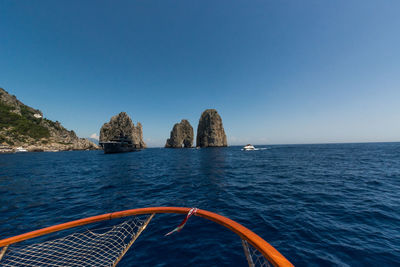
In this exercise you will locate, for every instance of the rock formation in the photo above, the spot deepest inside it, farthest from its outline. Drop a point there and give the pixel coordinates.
(122, 125)
(23, 126)
(210, 132)
(16, 105)
(181, 135)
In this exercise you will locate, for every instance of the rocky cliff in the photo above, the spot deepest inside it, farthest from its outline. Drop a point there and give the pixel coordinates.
(181, 135)
(122, 125)
(210, 132)
(23, 126)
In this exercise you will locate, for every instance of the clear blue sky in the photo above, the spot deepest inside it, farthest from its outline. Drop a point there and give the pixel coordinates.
(276, 71)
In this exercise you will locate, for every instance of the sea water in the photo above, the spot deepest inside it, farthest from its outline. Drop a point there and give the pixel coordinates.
(326, 205)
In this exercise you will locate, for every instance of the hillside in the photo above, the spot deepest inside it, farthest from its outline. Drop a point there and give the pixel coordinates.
(24, 126)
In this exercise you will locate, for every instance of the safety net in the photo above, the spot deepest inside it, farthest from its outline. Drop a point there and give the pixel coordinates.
(254, 257)
(99, 247)
(105, 246)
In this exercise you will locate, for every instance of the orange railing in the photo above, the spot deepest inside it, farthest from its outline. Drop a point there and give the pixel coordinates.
(268, 251)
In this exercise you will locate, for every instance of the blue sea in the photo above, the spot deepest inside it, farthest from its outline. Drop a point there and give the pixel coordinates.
(319, 205)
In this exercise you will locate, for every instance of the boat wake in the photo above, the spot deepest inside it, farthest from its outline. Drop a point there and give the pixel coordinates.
(255, 149)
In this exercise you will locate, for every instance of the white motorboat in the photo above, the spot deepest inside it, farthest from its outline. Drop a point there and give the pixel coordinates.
(249, 147)
(20, 149)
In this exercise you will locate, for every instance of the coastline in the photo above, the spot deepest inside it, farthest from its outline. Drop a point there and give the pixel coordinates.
(14, 149)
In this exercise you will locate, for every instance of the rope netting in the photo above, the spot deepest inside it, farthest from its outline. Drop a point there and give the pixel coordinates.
(254, 257)
(99, 247)
(107, 245)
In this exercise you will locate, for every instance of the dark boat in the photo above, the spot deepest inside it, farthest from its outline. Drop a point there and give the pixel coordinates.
(120, 145)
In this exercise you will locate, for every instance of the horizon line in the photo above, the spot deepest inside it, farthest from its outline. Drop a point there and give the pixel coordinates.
(291, 144)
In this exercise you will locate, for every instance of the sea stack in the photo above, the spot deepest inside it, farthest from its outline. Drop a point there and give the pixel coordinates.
(121, 125)
(181, 136)
(210, 132)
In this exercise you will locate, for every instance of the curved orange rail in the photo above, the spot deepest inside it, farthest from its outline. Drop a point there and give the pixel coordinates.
(260, 244)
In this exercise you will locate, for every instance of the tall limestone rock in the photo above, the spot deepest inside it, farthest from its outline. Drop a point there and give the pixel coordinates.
(122, 125)
(181, 135)
(210, 132)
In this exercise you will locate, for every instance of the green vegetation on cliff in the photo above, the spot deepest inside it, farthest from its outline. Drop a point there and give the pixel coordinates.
(24, 126)
(21, 125)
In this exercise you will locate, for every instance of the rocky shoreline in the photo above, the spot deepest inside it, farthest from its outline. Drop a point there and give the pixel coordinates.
(50, 148)
(24, 129)
(82, 144)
